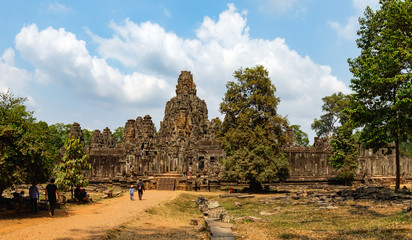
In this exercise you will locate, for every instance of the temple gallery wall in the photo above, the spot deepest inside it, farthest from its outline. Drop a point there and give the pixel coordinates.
(186, 141)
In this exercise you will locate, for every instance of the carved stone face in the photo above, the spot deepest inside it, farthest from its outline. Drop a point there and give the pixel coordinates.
(181, 121)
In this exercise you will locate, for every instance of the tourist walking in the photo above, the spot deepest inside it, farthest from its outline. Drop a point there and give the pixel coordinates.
(34, 197)
(190, 171)
(140, 189)
(51, 191)
(131, 192)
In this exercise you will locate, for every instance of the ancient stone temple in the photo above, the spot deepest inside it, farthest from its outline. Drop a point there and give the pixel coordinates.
(185, 139)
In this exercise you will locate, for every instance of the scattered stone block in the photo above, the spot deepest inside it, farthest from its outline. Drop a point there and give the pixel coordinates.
(238, 204)
(200, 228)
(254, 219)
(194, 221)
(238, 220)
(217, 212)
(227, 218)
(213, 204)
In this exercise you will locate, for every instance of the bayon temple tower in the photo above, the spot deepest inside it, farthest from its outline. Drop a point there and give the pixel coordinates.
(185, 139)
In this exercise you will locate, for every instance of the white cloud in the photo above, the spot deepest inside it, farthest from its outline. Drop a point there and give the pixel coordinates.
(167, 12)
(60, 57)
(348, 30)
(220, 48)
(12, 77)
(57, 7)
(360, 5)
(278, 6)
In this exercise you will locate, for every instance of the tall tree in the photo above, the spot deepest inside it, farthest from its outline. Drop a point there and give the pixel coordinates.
(252, 132)
(382, 82)
(87, 136)
(26, 150)
(333, 106)
(301, 137)
(59, 133)
(70, 171)
(118, 134)
(344, 152)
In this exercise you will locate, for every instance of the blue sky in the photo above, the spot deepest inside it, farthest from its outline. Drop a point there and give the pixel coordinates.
(101, 63)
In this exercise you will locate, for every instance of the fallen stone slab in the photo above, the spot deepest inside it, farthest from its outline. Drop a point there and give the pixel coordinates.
(229, 195)
(266, 213)
(209, 220)
(220, 224)
(254, 219)
(222, 238)
(246, 196)
(221, 232)
(328, 207)
(118, 193)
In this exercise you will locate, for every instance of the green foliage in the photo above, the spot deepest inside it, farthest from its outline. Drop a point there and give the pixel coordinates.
(301, 137)
(70, 170)
(334, 106)
(59, 134)
(345, 152)
(382, 82)
(252, 132)
(27, 150)
(87, 136)
(118, 134)
(406, 149)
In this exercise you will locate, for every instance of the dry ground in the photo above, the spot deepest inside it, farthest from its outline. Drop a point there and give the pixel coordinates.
(81, 222)
(165, 215)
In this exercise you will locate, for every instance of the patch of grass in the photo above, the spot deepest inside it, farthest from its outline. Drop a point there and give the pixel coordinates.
(182, 208)
(295, 221)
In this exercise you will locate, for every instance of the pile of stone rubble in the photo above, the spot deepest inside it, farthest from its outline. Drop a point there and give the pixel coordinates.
(217, 220)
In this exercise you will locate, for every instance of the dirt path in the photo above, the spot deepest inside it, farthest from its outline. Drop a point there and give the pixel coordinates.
(83, 222)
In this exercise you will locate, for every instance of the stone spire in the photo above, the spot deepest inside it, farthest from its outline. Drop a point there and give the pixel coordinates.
(185, 114)
(76, 132)
(185, 84)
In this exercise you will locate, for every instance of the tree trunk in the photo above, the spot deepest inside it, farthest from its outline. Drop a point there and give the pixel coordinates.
(398, 166)
(72, 192)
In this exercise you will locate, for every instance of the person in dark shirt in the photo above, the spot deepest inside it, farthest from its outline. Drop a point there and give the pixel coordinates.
(140, 189)
(83, 195)
(51, 191)
(77, 193)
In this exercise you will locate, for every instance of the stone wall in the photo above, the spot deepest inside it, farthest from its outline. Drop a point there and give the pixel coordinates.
(313, 163)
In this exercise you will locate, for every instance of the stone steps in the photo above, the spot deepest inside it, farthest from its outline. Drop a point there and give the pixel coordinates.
(166, 184)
